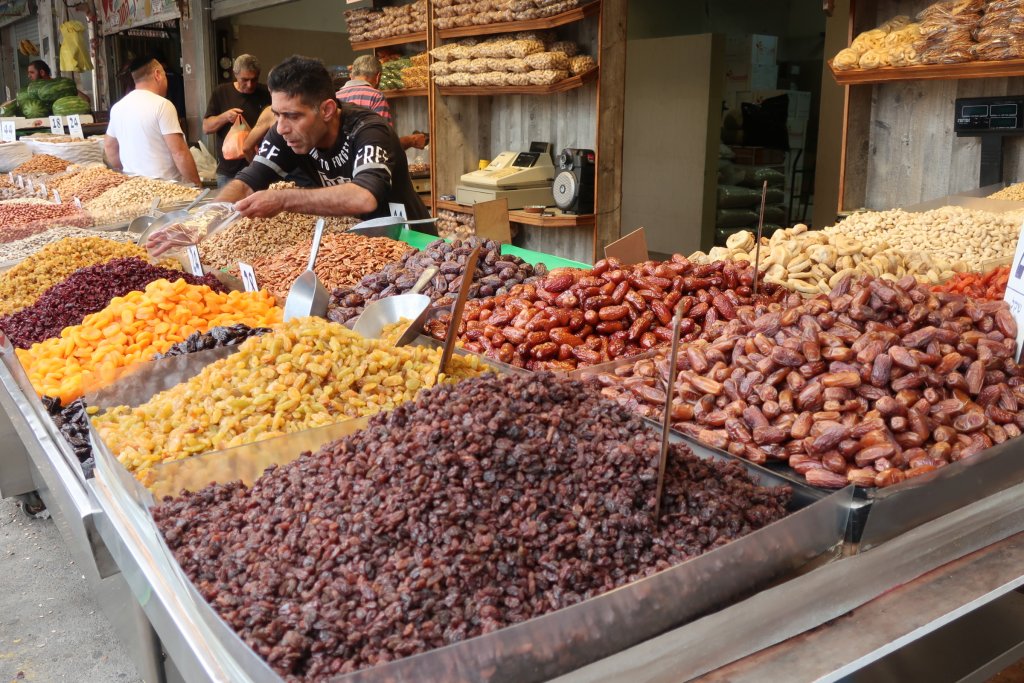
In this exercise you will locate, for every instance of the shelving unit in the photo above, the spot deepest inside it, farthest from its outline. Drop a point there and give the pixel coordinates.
(566, 85)
(567, 17)
(418, 37)
(405, 92)
(929, 72)
(470, 123)
(559, 220)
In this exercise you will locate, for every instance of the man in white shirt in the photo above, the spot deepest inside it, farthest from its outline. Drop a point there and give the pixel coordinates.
(144, 136)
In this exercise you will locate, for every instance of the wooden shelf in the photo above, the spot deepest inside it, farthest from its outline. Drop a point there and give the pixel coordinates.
(559, 220)
(566, 85)
(405, 92)
(418, 37)
(568, 17)
(925, 72)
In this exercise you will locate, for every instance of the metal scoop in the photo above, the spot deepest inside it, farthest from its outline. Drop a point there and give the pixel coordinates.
(308, 296)
(140, 223)
(389, 310)
(386, 226)
(169, 218)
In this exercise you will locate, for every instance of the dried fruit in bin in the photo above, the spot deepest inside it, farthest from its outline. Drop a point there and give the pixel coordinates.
(476, 506)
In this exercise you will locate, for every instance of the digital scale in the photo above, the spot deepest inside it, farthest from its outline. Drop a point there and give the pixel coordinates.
(523, 178)
(991, 119)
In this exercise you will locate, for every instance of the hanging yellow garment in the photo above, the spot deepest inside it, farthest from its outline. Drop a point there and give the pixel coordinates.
(74, 54)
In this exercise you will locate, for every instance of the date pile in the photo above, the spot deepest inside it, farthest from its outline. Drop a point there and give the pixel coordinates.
(476, 506)
(73, 419)
(495, 274)
(870, 385)
(86, 291)
(577, 318)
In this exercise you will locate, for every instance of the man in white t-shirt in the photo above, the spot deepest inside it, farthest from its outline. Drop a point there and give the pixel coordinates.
(144, 136)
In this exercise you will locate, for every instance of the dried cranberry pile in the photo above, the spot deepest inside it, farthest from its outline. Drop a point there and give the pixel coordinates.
(86, 291)
(477, 506)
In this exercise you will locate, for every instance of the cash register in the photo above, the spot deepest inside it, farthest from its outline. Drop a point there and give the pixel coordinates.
(523, 178)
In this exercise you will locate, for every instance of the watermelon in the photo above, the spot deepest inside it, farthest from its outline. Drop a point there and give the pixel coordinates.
(33, 108)
(52, 90)
(34, 86)
(24, 94)
(70, 105)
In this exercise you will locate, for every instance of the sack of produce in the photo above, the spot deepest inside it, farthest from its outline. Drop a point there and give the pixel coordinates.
(735, 218)
(775, 214)
(78, 151)
(72, 104)
(13, 154)
(754, 176)
(52, 90)
(735, 197)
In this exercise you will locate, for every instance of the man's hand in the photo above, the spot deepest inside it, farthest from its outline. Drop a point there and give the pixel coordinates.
(230, 116)
(262, 204)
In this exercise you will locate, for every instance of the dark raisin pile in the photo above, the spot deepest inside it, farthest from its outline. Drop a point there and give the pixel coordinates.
(477, 506)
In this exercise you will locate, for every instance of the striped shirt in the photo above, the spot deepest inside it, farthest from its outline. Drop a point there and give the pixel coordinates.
(359, 92)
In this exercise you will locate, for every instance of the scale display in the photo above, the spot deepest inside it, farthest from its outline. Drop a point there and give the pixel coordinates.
(989, 115)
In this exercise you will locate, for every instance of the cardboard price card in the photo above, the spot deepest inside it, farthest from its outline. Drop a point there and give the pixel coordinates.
(397, 209)
(8, 132)
(248, 277)
(56, 125)
(194, 262)
(75, 127)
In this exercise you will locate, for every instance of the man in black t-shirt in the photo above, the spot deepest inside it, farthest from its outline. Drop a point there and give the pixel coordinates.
(352, 153)
(246, 97)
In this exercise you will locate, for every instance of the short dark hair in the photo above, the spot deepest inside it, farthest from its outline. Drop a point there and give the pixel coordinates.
(141, 67)
(302, 77)
(41, 66)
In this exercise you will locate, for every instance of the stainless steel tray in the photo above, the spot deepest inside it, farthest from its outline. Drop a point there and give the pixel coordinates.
(535, 650)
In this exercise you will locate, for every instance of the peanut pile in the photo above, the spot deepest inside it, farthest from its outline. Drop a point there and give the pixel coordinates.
(343, 259)
(309, 373)
(88, 183)
(133, 198)
(252, 239)
(20, 218)
(42, 164)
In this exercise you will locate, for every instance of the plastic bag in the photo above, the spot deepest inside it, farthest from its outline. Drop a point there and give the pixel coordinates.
(234, 143)
(735, 218)
(205, 163)
(203, 221)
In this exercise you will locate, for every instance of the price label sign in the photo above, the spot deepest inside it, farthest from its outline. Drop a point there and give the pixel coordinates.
(194, 264)
(10, 176)
(56, 125)
(75, 126)
(43, 192)
(1015, 289)
(31, 186)
(7, 130)
(21, 182)
(78, 203)
(397, 209)
(248, 277)
(56, 196)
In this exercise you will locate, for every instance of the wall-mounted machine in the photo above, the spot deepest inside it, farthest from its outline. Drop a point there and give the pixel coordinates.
(991, 119)
(523, 178)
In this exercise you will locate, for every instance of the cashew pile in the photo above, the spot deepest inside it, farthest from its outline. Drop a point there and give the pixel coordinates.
(932, 246)
(948, 234)
(1013, 193)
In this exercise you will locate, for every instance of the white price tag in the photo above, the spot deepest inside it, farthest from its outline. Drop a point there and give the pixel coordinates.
(78, 203)
(1015, 290)
(7, 130)
(194, 264)
(43, 192)
(31, 186)
(248, 277)
(21, 182)
(75, 126)
(56, 196)
(10, 176)
(56, 125)
(397, 209)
